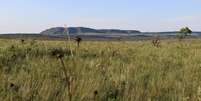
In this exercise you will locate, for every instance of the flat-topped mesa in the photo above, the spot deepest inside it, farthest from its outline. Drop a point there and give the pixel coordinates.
(77, 30)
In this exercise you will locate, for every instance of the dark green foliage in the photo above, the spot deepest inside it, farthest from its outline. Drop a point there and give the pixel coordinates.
(184, 32)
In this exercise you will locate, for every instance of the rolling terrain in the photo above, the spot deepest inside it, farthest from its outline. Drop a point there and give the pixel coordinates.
(58, 33)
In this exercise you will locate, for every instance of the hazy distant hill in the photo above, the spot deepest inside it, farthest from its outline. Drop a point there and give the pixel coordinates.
(57, 33)
(76, 30)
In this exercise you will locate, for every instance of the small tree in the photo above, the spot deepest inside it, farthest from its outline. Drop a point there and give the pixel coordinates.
(184, 32)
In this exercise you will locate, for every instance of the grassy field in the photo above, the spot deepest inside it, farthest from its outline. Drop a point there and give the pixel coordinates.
(100, 71)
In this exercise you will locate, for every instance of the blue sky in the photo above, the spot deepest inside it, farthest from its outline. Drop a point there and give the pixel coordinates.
(144, 15)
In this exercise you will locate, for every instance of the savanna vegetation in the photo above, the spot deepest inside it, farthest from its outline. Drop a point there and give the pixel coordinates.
(167, 70)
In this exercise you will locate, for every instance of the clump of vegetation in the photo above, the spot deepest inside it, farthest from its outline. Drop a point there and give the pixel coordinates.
(156, 41)
(184, 32)
(57, 52)
(78, 40)
(22, 41)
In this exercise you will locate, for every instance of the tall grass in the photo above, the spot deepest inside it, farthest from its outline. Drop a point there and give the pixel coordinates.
(101, 71)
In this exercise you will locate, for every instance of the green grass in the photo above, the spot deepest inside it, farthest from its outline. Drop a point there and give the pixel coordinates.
(101, 71)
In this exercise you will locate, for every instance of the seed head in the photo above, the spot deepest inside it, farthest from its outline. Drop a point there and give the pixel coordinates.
(59, 53)
(78, 40)
(14, 87)
(22, 41)
(95, 92)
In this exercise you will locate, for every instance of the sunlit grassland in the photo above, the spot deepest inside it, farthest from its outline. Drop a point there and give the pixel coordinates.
(102, 71)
